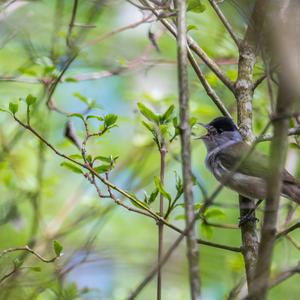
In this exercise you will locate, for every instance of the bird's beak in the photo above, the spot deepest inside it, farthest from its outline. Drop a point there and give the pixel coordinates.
(202, 137)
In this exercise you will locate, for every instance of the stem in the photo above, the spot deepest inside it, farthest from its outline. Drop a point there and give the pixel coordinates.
(277, 161)
(244, 96)
(185, 132)
(163, 152)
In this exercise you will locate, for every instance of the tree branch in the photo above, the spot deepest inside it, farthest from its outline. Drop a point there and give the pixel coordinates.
(225, 22)
(185, 133)
(195, 47)
(274, 183)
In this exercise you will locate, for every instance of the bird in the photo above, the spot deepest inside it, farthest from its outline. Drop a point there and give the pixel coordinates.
(233, 164)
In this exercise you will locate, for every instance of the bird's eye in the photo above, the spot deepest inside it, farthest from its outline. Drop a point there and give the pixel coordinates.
(214, 131)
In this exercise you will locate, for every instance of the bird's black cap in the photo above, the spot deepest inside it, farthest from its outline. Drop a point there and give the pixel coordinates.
(223, 124)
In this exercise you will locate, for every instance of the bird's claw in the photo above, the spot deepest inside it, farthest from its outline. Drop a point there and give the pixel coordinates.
(247, 218)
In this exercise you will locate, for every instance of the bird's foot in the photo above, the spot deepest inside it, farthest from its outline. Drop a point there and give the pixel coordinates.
(247, 218)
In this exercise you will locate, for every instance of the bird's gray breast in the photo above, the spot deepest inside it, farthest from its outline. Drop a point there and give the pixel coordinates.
(248, 186)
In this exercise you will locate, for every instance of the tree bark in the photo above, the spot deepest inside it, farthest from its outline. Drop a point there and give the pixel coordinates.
(191, 239)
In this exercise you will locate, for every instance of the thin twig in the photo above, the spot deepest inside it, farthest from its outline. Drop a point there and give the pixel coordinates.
(288, 230)
(71, 24)
(196, 48)
(269, 137)
(163, 152)
(122, 192)
(28, 249)
(209, 90)
(225, 22)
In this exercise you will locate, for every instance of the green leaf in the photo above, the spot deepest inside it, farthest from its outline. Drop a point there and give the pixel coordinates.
(49, 69)
(102, 169)
(175, 122)
(71, 167)
(35, 269)
(193, 121)
(69, 293)
(94, 117)
(110, 120)
(214, 213)
(18, 262)
(108, 159)
(30, 99)
(77, 115)
(191, 27)
(168, 114)
(57, 247)
(89, 158)
(148, 113)
(179, 186)
(206, 230)
(75, 156)
(13, 107)
(149, 126)
(161, 188)
(82, 98)
(153, 196)
(70, 79)
(195, 6)
(180, 217)
(163, 129)
(4, 110)
(136, 202)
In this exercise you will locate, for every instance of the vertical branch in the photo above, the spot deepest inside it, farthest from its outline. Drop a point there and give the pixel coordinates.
(163, 152)
(71, 24)
(244, 96)
(277, 161)
(284, 47)
(182, 60)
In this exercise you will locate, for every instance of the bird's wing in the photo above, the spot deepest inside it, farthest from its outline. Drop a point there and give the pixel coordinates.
(256, 164)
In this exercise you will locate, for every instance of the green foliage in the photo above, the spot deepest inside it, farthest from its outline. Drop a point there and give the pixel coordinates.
(167, 115)
(35, 269)
(77, 115)
(191, 27)
(161, 189)
(18, 262)
(149, 200)
(13, 107)
(136, 202)
(71, 167)
(70, 292)
(99, 118)
(110, 120)
(195, 6)
(102, 169)
(75, 156)
(30, 100)
(148, 113)
(57, 247)
(206, 230)
(214, 213)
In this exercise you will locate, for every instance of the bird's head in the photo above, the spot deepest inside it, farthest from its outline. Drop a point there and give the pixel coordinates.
(219, 131)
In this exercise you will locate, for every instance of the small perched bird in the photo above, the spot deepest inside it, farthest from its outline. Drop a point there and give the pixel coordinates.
(226, 148)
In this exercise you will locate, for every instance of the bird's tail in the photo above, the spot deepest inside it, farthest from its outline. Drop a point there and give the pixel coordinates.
(291, 190)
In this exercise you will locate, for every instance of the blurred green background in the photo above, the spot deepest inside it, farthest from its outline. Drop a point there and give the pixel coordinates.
(107, 249)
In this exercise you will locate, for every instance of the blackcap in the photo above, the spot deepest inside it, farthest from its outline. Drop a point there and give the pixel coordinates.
(226, 148)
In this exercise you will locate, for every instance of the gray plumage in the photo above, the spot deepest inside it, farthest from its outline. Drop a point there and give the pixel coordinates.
(225, 148)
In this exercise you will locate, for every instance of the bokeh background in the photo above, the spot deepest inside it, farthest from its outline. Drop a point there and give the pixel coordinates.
(107, 249)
